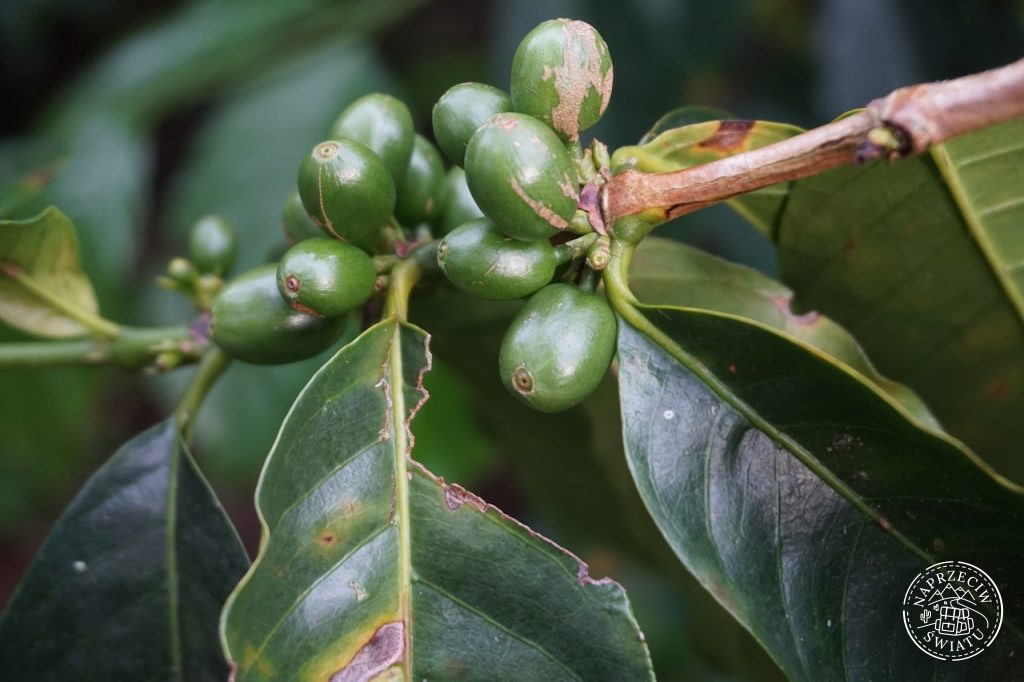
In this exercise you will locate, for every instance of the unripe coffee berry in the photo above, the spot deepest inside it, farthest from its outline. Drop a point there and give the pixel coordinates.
(325, 277)
(213, 245)
(562, 75)
(296, 222)
(521, 176)
(458, 204)
(460, 111)
(383, 123)
(480, 259)
(421, 193)
(558, 348)
(346, 189)
(252, 323)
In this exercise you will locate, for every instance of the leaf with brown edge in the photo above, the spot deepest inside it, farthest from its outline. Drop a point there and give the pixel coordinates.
(665, 272)
(691, 145)
(43, 250)
(921, 261)
(371, 566)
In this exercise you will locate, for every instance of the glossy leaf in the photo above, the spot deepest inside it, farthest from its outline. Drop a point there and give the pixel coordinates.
(371, 566)
(600, 513)
(131, 579)
(664, 272)
(697, 143)
(803, 498)
(44, 250)
(921, 263)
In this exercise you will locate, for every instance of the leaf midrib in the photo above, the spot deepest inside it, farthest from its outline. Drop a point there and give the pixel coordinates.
(396, 395)
(174, 623)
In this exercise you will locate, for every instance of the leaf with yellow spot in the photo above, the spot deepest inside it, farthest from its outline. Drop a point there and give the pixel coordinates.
(372, 568)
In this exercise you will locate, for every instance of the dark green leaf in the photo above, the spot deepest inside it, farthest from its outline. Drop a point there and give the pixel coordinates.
(44, 250)
(131, 579)
(803, 498)
(669, 273)
(372, 566)
(698, 143)
(922, 264)
(570, 469)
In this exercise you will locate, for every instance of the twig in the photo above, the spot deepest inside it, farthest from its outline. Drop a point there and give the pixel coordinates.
(133, 348)
(210, 368)
(908, 121)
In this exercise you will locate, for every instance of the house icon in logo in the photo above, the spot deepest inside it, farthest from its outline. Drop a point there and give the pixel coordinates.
(954, 621)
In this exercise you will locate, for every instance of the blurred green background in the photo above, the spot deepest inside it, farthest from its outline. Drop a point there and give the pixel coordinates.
(145, 116)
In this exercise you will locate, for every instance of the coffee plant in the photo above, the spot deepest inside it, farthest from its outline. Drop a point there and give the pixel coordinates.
(804, 449)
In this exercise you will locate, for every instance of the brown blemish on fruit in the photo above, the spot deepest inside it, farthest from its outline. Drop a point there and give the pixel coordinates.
(522, 380)
(544, 212)
(326, 224)
(568, 188)
(304, 309)
(325, 151)
(731, 137)
(505, 121)
(384, 649)
(455, 496)
(575, 77)
(292, 283)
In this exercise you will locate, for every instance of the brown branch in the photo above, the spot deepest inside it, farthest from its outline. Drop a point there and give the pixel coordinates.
(907, 121)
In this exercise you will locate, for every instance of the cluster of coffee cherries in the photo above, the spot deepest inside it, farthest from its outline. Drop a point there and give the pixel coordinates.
(362, 197)
(525, 168)
(507, 215)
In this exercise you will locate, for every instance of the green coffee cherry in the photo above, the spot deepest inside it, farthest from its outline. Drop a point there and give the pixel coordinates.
(325, 277)
(480, 259)
(521, 176)
(460, 111)
(562, 74)
(558, 348)
(421, 192)
(296, 222)
(383, 123)
(251, 322)
(212, 245)
(458, 204)
(346, 189)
